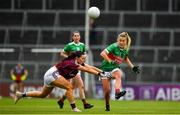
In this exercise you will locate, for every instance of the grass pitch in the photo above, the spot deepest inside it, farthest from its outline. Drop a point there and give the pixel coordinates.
(49, 106)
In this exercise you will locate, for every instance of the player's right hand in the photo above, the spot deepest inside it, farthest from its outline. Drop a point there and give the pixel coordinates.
(105, 75)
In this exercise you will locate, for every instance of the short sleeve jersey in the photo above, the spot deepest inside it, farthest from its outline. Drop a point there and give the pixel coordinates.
(67, 68)
(114, 53)
(72, 47)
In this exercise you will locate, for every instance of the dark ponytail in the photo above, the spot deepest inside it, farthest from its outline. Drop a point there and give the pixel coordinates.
(74, 55)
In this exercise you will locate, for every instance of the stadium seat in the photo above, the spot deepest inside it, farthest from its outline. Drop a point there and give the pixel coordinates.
(5, 4)
(111, 37)
(104, 20)
(96, 38)
(162, 20)
(155, 38)
(137, 20)
(178, 74)
(42, 70)
(72, 19)
(2, 36)
(154, 5)
(23, 36)
(129, 75)
(176, 5)
(176, 39)
(156, 74)
(59, 37)
(11, 18)
(142, 55)
(175, 56)
(31, 70)
(7, 70)
(28, 4)
(98, 3)
(9, 56)
(122, 5)
(40, 19)
(60, 4)
(96, 55)
(37, 57)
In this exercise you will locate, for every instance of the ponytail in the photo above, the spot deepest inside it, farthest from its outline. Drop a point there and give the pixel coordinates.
(73, 55)
(129, 41)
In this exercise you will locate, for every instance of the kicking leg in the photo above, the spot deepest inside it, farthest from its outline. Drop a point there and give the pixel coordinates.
(117, 74)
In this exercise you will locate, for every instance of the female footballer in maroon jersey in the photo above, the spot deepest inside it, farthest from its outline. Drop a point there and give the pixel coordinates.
(58, 75)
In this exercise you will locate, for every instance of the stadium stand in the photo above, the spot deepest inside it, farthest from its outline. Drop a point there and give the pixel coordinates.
(153, 25)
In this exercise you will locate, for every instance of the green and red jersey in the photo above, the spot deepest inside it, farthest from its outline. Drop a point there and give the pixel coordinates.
(115, 53)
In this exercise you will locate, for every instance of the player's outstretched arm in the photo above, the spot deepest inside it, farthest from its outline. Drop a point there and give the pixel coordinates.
(93, 70)
(133, 67)
(89, 69)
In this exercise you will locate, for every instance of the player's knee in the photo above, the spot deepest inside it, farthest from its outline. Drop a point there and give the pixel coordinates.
(69, 88)
(106, 90)
(81, 87)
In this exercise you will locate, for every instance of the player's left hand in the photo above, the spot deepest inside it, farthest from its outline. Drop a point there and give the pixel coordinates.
(136, 69)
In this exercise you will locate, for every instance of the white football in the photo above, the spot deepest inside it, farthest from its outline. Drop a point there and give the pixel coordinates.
(93, 12)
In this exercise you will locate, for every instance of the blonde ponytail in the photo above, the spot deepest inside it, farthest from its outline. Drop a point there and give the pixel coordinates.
(129, 42)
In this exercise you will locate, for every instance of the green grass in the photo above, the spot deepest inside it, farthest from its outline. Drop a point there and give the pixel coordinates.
(49, 106)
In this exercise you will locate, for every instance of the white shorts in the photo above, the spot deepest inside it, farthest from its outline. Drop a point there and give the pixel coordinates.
(51, 75)
(116, 69)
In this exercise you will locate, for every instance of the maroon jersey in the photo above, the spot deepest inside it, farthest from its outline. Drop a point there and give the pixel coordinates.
(67, 68)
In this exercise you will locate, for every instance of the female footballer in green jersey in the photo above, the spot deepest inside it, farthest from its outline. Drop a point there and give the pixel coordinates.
(77, 81)
(113, 56)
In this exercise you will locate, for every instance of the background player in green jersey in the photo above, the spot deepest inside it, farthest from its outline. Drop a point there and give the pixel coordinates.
(77, 81)
(113, 56)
